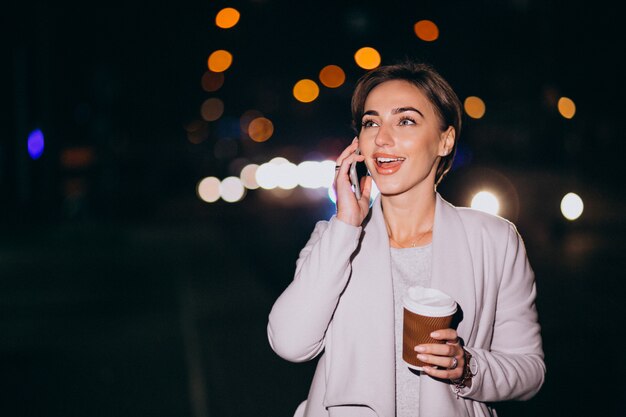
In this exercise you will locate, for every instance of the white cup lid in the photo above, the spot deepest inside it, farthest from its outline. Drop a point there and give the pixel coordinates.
(429, 302)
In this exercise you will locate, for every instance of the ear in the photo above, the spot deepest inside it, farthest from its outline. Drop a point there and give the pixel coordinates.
(446, 142)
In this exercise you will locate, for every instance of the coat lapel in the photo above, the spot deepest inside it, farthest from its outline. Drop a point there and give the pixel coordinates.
(452, 273)
(361, 369)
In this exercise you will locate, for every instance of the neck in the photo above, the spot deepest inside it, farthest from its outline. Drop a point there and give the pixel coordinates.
(410, 217)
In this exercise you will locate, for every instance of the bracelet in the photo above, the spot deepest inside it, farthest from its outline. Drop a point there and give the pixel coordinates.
(461, 383)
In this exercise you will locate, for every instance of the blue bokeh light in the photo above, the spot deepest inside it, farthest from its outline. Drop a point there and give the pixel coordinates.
(35, 144)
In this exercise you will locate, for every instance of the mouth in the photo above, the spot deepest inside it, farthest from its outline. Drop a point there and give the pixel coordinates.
(387, 164)
(384, 161)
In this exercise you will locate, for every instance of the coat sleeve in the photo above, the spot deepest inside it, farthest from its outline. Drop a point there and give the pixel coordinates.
(301, 315)
(513, 368)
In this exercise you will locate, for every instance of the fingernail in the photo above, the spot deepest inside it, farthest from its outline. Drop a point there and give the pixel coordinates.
(421, 357)
(420, 348)
(434, 334)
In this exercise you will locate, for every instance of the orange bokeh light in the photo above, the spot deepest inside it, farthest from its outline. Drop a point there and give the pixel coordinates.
(426, 30)
(566, 107)
(306, 91)
(332, 76)
(474, 107)
(227, 18)
(260, 129)
(367, 58)
(247, 117)
(220, 60)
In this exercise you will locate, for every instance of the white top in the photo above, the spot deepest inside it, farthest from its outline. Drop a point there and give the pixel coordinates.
(409, 267)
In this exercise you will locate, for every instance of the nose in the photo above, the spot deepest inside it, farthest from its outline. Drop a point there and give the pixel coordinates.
(383, 137)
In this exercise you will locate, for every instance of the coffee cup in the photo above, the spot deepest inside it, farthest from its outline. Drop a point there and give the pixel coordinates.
(425, 310)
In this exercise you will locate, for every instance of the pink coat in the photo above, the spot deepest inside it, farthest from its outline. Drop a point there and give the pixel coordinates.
(340, 305)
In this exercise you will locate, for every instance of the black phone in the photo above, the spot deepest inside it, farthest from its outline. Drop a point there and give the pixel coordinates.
(357, 171)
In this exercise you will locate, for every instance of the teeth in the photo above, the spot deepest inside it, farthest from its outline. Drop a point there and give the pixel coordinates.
(383, 160)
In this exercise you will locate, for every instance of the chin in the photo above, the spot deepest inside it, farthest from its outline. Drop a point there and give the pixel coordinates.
(390, 189)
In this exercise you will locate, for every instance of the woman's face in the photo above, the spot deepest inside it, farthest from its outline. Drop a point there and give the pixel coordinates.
(401, 138)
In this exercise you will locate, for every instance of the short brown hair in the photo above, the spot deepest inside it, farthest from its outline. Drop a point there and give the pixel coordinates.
(437, 90)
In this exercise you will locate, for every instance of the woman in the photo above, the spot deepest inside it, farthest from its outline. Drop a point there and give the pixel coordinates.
(345, 300)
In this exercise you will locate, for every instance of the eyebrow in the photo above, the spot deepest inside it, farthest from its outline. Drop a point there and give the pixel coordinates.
(394, 111)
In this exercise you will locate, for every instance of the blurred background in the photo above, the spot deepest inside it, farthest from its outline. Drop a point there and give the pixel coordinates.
(162, 164)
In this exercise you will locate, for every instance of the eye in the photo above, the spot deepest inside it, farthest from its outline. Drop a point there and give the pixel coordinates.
(406, 121)
(368, 123)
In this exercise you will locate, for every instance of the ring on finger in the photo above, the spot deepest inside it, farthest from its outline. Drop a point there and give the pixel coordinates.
(455, 363)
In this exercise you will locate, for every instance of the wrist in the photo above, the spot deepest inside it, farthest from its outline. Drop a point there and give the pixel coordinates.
(465, 380)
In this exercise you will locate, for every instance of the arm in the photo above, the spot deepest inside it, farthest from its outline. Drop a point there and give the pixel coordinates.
(513, 367)
(300, 316)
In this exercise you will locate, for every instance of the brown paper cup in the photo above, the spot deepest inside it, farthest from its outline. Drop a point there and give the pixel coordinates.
(416, 331)
(425, 310)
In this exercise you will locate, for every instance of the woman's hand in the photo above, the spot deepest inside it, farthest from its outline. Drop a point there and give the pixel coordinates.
(349, 209)
(443, 355)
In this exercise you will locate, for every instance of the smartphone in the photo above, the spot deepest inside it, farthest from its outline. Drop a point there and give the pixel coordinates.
(356, 175)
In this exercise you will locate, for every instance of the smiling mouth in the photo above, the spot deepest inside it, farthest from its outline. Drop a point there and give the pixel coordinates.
(385, 162)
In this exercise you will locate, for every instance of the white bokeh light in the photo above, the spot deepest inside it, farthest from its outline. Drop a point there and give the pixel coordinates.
(572, 206)
(487, 202)
(248, 176)
(287, 175)
(327, 173)
(265, 176)
(310, 174)
(208, 189)
(231, 189)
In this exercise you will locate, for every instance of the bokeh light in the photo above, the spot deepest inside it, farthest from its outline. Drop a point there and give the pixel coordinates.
(572, 206)
(367, 58)
(78, 157)
(332, 195)
(332, 76)
(246, 118)
(309, 174)
(232, 190)
(287, 175)
(260, 129)
(248, 176)
(426, 30)
(220, 60)
(197, 131)
(487, 202)
(327, 175)
(306, 90)
(35, 144)
(566, 107)
(265, 176)
(227, 18)
(208, 189)
(212, 109)
(212, 81)
(474, 107)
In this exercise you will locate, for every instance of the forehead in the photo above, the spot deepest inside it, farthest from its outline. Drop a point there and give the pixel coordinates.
(396, 94)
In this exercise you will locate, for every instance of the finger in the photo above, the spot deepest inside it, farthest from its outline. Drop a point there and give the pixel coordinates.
(344, 166)
(449, 335)
(443, 373)
(444, 362)
(346, 152)
(439, 349)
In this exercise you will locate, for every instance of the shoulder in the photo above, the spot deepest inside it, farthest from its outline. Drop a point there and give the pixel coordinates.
(478, 222)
